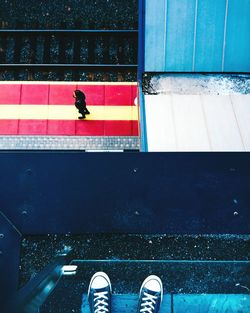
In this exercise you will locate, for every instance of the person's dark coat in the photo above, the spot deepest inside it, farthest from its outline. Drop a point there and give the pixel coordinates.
(80, 102)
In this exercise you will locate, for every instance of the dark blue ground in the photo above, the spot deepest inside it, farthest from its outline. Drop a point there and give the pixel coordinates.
(132, 193)
(119, 193)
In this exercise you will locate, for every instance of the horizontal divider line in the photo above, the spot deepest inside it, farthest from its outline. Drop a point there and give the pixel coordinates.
(59, 65)
(68, 83)
(162, 261)
(108, 31)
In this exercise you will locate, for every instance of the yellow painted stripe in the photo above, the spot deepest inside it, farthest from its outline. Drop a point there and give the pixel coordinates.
(67, 112)
(67, 83)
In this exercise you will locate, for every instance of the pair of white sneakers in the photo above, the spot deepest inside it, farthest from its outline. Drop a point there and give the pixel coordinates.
(100, 292)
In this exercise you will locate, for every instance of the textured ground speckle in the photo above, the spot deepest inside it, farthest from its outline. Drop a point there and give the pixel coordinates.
(83, 14)
(126, 276)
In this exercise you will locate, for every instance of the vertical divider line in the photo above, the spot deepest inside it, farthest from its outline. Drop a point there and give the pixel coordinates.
(174, 122)
(195, 33)
(165, 34)
(205, 121)
(141, 40)
(104, 104)
(48, 106)
(224, 38)
(237, 123)
(20, 102)
(142, 120)
(131, 111)
(77, 86)
(172, 303)
(140, 71)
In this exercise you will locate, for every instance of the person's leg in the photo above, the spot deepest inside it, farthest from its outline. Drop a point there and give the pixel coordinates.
(99, 293)
(81, 111)
(86, 111)
(151, 294)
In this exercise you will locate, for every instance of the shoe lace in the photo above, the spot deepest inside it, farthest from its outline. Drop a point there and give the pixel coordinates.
(148, 303)
(101, 302)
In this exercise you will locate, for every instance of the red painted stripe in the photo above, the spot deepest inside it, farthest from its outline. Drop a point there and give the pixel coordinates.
(69, 128)
(95, 95)
(8, 127)
(10, 94)
(135, 128)
(62, 94)
(118, 95)
(62, 128)
(121, 129)
(32, 127)
(35, 94)
(89, 128)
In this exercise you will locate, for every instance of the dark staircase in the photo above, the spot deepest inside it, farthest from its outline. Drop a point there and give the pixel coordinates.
(200, 273)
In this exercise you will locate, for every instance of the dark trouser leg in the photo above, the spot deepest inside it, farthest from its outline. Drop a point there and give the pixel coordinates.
(82, 112)
(86, 111)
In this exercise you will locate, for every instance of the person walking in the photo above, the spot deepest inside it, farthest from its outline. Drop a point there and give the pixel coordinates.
(80, 103)
(99, 294)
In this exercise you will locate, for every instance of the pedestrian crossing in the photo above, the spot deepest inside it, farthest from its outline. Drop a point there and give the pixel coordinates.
(47, 108)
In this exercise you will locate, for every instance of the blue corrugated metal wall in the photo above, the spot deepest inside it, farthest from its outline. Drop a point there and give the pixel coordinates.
(197, 35)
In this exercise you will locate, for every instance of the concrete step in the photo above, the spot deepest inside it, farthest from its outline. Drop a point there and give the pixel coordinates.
(178, 277)
(127, 303)
(212, 303)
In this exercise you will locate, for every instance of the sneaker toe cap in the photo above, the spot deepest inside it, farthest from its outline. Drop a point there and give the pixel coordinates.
(99, 282)
(153, 285)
